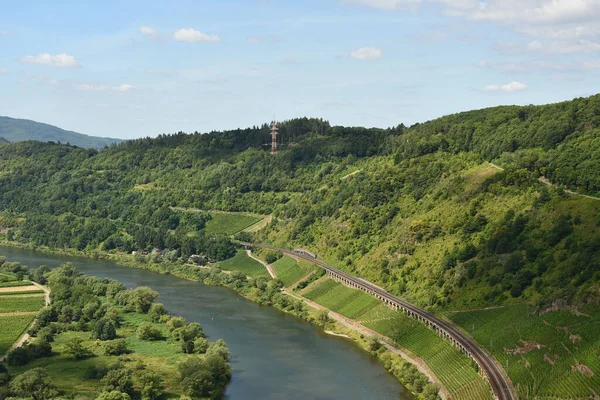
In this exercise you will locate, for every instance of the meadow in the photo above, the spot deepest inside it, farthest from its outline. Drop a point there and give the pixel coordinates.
(244, 264)
(230, 223)
(547, 355)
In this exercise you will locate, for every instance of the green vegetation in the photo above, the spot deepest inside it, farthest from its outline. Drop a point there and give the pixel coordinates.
(16, 130)
(22, 292)
(13, 326)
(244, 264)
(230, 223)
(453, 369)
(427, 218)
(552, 353)
(289, 271)
(9, 304)
(14, 284)
(86, 346)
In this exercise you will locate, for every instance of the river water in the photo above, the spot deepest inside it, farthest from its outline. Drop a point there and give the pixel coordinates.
(274, 355)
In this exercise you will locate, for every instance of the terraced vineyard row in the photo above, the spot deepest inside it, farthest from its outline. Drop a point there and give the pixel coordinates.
(553, 354)
(452, 367)
(12, 328)
(246, 265)
(9, 304)
(289, 271)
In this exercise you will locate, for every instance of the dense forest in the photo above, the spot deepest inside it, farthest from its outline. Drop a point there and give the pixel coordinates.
(417, 210)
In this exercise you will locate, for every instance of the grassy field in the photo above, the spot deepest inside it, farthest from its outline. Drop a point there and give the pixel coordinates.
(246, 265)
(17, 303)
(230, 223)
(72, 377)
(553, 354)
(452, 367)
(13, 326)
(291, 271)
(36, 291)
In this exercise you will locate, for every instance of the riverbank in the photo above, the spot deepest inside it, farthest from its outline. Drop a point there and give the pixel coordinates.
(390, 360)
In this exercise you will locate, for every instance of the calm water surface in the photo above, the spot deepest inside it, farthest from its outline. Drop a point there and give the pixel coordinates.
(275, 356)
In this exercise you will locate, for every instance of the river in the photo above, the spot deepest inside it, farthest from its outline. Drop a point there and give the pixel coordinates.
(274, 355)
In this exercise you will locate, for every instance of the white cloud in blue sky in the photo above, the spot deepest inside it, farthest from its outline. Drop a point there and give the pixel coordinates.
(132, 68)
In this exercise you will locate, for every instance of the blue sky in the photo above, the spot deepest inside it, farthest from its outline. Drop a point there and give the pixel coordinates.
(134, 68)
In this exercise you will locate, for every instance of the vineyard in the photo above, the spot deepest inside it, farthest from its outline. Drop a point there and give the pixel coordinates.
(553, 355)
(230, 223)
(290, 271)
(17, 309)
(454, 369)
(246, 265)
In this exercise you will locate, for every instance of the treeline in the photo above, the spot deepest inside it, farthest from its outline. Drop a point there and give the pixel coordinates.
(96, 306)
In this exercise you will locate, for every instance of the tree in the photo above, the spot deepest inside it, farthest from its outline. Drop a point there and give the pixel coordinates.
(104, 329)
(323, 316)
(152, 385)
(114, 395)
(195, 378)
(374, 344)
(119, 380)
(219, 348)
(430, 392)
(148, 332)
(34, 383)
(76, 350)
(156, 311)
(200, 345)
(142, 298)
(115, 347)
(17, 357)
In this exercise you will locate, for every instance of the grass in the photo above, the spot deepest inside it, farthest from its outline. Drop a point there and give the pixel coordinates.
(71, 377)
(21, 292)
(289, 271)
(244, 264)
(230, 223)
(454, 369)
(14, 284)
(9, 304)
(13, 326)
(560, 342)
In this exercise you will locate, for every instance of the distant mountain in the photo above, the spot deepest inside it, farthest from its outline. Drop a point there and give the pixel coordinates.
(17, 130)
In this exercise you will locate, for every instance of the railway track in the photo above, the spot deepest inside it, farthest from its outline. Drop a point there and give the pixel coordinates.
(500, 384)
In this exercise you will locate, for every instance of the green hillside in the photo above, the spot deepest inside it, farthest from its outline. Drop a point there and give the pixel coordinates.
(466, 212)
(17, 130)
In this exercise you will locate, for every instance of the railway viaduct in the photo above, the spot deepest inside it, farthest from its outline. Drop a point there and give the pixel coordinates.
(501, 386)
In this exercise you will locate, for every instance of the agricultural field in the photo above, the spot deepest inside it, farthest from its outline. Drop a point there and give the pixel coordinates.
(454, 369)
(553, 355)
(230, 223)
(290, 271)
(18, 308)
(244, 264)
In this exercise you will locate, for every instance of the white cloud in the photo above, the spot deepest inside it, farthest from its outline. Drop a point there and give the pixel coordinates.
(595, 64)
(509, 87)
(148, 31)
(253, 40)
(565, 47)
(3, 71)
(525, 66)
(384, 4)
(191, 35)
(86, 87)
(123, 88)
(3, 33)
(367, 53)
(59, 60)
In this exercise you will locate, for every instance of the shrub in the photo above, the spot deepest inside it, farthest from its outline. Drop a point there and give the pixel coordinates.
(148, 332)
(75, 349)
(118, 380)
(157, 310)
(115, 347)
(34, 384)
(152, 386)
(104, 329)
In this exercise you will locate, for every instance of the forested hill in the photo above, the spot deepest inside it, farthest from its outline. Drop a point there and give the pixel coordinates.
(417, 210)
(16, 130)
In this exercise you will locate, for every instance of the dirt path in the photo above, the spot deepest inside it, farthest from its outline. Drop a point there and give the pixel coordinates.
(417, 362)
(17, 313)
(269, 268)
(351, 174)
(293, 285)
(259, 225)
(545, 181)
(25, 336)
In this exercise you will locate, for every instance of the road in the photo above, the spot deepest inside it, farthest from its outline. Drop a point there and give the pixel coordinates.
(501, 386)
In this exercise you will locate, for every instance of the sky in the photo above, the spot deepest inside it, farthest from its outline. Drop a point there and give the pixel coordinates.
(133, 68)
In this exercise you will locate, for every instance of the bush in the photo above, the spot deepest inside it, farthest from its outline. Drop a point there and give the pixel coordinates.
(219, 348)
(17, 357)
(114, 395)
(148, 332)
(200, 345)
(104, 329)
(75, 349)
(157, 310)
(115, 347)
(152, 386)
(118, 380)
(34, 384)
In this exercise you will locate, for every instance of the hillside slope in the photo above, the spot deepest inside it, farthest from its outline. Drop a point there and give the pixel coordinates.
(16, 130)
